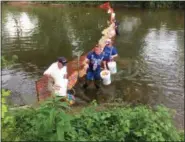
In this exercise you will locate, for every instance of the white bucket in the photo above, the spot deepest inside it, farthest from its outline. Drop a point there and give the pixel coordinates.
(112, 67)
(105, 75)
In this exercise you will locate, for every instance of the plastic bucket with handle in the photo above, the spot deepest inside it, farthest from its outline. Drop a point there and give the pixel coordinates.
(112, 67)
(105, 75)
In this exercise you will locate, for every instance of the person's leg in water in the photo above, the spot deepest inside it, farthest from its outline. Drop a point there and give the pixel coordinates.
(89, 78)
(97, 78)
(117, 31)
(97, 84)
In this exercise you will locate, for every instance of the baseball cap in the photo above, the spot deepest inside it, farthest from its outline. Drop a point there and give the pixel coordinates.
(62, 60)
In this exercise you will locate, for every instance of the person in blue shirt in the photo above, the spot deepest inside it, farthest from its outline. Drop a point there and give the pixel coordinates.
(110, 52)
(94, 60)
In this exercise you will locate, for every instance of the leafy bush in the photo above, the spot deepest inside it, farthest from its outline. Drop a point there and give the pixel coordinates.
(52, 121)
(125, 124)
(6, 118)
(3, 102)
(48, 122)
(6, 63)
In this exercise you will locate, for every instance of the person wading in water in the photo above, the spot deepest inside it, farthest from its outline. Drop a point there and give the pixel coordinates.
(93, 64)
(110, 52)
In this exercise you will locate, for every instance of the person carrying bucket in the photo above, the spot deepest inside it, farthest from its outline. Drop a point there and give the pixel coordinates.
(58, 73)
(110, 53)
(93, 64)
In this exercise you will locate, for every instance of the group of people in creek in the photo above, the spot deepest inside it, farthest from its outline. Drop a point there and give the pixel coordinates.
(95, 61)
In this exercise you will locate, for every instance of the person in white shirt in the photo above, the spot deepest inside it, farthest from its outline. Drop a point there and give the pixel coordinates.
(58, 72)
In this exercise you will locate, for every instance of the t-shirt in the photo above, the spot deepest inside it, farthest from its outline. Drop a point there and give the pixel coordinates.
(58, 76)
(109, 51)
(95, 61)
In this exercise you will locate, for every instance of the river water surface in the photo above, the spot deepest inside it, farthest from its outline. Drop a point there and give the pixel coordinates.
(154, 39)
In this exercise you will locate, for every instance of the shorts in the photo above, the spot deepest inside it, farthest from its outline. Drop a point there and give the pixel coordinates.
(93, 75)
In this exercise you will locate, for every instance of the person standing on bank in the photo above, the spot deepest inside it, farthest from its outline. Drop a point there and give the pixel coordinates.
(93, 64)
(110, 52)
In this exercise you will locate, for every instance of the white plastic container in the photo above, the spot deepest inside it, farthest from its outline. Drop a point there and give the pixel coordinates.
(112, 67)
(105, 75)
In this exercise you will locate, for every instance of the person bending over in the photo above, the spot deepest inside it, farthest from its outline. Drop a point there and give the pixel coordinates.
(58, 72)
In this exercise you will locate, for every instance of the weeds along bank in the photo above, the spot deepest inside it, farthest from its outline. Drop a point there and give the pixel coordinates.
(139, 4)
(53, 120)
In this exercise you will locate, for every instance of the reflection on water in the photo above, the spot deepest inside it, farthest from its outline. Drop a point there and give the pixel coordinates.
(162, 55)
(72, 34)
(21, 85)
(20, 25)
(129, 23)
(151, 39)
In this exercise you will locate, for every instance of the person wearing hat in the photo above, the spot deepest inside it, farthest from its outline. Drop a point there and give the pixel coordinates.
(110, 52)
(58, 72)
(93, 64)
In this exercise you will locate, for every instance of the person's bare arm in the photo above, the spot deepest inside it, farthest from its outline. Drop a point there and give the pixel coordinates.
(48, 72)
(86, 63)
(104, 65)
(114, 56)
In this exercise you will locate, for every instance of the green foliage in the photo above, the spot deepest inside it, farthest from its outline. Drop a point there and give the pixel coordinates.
(51, 121)
(3, 102)
(6, 118)
(81, 3)
(48, 122)
(6, 63)
(55, 120)
(142, 4)
(125, 124)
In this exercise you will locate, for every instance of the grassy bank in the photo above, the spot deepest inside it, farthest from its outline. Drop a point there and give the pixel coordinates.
(53, 121)
(129, 4)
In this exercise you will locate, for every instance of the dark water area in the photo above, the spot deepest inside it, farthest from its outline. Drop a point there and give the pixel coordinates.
(151, 40)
